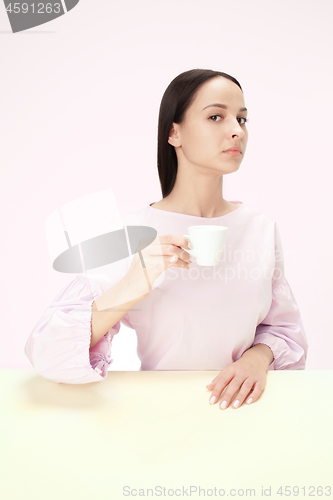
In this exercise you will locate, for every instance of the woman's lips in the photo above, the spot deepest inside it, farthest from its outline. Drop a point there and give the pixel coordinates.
(233, 152)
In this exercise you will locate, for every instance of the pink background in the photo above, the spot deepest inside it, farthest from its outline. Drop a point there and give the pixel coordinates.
(79, 106)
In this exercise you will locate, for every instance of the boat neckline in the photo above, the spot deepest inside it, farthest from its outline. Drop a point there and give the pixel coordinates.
(168, 212)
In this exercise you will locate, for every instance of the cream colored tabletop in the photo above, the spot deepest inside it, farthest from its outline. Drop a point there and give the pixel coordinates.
(154, 434)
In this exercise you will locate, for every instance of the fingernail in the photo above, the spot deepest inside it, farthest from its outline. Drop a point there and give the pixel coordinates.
(236, 404)
(249, 401)
(189, 245)
(212, 400)
(223, 405)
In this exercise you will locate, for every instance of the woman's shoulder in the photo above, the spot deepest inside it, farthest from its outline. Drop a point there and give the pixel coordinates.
(255, 221)
(257, 213)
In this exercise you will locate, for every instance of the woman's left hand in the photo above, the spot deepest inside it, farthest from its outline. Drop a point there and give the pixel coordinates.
(248, 375)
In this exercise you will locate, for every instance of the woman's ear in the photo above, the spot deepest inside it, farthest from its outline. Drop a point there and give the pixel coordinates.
(174, 138)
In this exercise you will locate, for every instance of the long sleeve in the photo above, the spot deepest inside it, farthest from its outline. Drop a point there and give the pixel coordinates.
(58, 346)
(282, 328)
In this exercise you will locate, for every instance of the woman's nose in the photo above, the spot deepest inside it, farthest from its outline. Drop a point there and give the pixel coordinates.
(236, 130)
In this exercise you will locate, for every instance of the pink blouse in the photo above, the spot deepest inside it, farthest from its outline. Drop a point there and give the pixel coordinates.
(203, 318)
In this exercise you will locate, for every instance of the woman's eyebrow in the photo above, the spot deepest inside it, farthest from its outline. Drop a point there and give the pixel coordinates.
(218, 105)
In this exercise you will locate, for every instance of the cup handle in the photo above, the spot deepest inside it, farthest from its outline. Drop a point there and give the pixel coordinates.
(188, 251)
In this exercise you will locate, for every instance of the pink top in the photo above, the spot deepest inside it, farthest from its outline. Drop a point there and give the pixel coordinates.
(203, 318)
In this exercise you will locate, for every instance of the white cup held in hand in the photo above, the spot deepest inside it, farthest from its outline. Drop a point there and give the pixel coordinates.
(207, 243)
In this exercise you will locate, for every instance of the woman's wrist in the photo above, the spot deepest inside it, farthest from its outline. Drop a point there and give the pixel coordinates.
(262, 352)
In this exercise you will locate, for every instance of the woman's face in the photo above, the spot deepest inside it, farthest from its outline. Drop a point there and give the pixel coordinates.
(213, 123)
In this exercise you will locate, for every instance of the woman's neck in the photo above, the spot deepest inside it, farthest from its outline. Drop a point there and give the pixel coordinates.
(182, 207)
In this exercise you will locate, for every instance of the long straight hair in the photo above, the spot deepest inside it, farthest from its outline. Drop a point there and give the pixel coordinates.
(178, 96)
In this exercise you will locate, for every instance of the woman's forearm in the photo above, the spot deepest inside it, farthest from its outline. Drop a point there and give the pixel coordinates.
(110, 307)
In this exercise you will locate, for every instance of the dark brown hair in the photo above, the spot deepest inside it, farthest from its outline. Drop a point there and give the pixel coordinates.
(178, 96)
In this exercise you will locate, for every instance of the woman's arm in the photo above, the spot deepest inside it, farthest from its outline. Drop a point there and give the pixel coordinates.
(110, 307)
(279, 341)
(282, 329)
(58, 346)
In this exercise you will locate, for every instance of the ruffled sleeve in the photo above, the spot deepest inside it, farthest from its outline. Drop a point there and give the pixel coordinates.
(282, 329)
(58, 346)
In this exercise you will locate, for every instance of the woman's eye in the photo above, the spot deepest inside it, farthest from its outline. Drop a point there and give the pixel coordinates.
(241, 120)
(245, 120)
(215, 116)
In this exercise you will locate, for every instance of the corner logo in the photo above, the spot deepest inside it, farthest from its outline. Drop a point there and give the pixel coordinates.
(88, 233)
(25, 15)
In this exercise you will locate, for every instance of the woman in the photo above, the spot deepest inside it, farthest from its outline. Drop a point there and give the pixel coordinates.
(239, 317)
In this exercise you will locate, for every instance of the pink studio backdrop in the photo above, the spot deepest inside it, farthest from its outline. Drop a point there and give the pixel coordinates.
(79, 106)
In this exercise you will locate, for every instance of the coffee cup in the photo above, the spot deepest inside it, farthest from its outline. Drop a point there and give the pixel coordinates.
(207, 243)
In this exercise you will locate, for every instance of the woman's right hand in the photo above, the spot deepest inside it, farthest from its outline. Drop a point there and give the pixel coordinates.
(156, 258)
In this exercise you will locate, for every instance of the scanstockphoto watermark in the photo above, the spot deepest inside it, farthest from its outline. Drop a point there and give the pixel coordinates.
(264, 491)
(162, 491)
(24, 15)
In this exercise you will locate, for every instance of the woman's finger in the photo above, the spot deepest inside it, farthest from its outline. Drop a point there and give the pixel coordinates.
(256, 393)
(214, 381)
(245, 390)
(176, 262)
(166, 251)
(233, 387)
(219, 385)
(173, 239)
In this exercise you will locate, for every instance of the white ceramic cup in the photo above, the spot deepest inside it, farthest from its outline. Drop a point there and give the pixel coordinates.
(207, 243)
